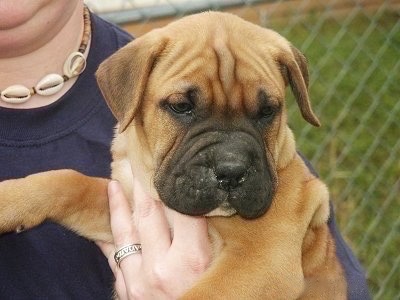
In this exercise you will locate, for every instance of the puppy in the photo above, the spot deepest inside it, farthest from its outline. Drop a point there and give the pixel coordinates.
(202, 123)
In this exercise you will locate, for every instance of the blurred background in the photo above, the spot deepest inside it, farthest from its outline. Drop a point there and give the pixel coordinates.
(353, 48)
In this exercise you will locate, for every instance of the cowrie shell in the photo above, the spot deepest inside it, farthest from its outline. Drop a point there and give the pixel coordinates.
(74, 65)
(49, 85)
(16, 94)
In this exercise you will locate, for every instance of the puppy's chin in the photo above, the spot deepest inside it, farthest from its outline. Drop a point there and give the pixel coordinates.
(224, 210)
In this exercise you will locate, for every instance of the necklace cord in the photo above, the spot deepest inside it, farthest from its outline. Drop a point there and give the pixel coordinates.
(52, 83)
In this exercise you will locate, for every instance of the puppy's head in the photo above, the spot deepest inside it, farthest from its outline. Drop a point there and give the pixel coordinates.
(206, 96)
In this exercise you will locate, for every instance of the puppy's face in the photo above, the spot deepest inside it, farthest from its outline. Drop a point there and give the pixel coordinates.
(207, 95)
(216, 156)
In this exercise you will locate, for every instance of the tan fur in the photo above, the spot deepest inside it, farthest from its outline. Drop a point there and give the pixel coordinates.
(288, 253)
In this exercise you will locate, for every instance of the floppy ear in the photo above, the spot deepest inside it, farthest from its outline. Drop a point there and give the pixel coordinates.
(123, 76)
(295, 72)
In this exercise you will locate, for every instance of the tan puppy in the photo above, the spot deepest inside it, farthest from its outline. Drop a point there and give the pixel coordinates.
(202, 123)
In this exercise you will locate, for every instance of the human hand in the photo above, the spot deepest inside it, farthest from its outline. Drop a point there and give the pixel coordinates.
(170, 262)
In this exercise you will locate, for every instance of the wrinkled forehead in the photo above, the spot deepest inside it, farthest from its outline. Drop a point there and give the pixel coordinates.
(228, 69)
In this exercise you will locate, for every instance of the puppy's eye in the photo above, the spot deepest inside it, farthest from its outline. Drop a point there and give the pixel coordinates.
(181, 108)
(267, 112)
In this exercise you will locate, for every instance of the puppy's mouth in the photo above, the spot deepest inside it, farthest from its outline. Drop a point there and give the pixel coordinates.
(224, 210)
(218, 176)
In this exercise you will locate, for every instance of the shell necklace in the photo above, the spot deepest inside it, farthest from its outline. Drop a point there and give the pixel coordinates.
(53, 83)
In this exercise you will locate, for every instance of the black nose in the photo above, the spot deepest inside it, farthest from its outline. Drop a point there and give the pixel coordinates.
(230, 174)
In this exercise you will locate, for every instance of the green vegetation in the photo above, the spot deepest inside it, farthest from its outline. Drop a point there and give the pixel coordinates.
(354, 63)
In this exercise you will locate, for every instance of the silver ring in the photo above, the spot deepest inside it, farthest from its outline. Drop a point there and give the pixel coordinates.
(125, 251)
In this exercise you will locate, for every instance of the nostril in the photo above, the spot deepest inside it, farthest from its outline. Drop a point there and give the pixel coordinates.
(227, 183)
(230, 174)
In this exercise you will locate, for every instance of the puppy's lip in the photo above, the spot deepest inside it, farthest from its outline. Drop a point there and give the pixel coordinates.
(224, 210)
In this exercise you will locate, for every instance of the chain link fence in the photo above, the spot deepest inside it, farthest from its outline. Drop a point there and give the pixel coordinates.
(353, 47)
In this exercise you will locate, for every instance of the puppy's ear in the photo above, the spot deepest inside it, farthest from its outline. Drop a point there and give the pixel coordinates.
(295, 71)
(123, 76)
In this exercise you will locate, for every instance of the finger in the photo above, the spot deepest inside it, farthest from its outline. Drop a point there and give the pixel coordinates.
(151, 224)
(191, 247)
(122, 226)
(109, 250)
(106, 248)
(123, 230)
(191, 242)
(190, 231)
(120, 288)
